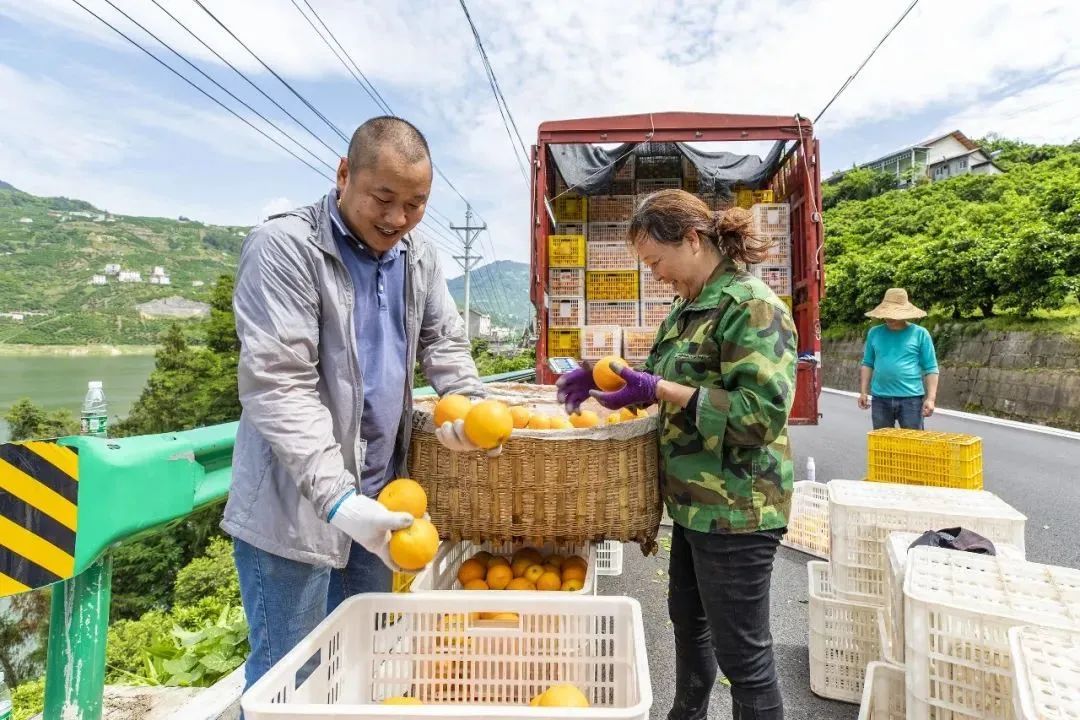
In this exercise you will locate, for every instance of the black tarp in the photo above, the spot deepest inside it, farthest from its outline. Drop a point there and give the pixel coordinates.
(590, 169)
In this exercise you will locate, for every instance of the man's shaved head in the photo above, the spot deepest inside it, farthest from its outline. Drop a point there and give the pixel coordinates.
(382, 133)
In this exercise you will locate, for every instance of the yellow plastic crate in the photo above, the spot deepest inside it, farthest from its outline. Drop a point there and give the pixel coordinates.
(571, 208)
(763, 196)
(566, 251)
(925, 457)
(402, 582)
(612, 285)
(564, 342)
(744, 198)
(786, 299)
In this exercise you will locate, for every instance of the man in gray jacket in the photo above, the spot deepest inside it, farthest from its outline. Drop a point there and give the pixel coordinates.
(334, 302)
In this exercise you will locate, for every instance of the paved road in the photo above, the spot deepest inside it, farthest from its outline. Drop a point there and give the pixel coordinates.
(1038, 474)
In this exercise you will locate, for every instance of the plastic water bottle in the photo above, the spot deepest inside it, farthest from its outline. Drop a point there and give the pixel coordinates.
(5, 699)
(95, 412)
(811, 471)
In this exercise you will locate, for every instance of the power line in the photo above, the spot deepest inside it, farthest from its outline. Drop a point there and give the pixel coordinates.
(861, 66)
(245, 78)
(269, 69)
(219, 86)
(192, 84)
(368, 86)
(500, 100)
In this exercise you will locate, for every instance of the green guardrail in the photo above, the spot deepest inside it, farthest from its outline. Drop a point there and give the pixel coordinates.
(125, 488)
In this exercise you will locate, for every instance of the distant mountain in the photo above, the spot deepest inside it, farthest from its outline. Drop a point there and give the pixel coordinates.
(50, 249)
(500, 289)
(6, 186)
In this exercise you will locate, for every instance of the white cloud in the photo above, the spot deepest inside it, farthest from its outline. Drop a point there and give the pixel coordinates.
(571, 59)
(274, 206)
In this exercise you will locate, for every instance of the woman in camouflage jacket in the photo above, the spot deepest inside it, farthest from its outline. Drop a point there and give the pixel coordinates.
(722, 368)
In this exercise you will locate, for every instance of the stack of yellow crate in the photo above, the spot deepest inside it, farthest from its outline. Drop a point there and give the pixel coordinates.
(566, 275)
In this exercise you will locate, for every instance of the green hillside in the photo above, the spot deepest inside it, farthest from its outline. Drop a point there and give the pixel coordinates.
(51, 247)
(500, 289)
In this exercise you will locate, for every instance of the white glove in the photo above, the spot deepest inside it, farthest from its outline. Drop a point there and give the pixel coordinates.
(369, 523)
(452, 436)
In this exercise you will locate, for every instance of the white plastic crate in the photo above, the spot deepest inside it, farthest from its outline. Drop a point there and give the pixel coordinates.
(609, 558)
(441, 574)
(611, 208)
(958, 610)
(614, 232)
(896, 557)
(777, 277)
(862, 514)
(566, 282)
(808, 523)
(883, 693)
(600, 341)
(653, 288)
(436, 648)
(637, 342)
(772, 218)
(609, 255)
(622, 313)
(1046, 665)
(566, 311)
(651, 185)
(779, 250)
(843, 639)
(654, 312)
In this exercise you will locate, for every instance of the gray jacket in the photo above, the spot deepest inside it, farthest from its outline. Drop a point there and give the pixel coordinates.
(298, 448)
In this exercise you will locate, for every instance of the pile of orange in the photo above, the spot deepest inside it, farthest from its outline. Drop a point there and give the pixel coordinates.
(488, 423)
(526, 569)
(415, 546)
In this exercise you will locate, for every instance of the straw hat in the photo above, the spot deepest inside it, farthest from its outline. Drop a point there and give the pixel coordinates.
(896, 306)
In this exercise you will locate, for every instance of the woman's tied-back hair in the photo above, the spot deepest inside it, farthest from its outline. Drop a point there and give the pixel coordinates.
(668, 215)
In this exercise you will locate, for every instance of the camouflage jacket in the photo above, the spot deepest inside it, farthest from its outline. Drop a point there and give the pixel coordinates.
(726, 464)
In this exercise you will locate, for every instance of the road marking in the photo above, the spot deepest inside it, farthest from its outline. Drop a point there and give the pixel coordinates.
(1014, 424)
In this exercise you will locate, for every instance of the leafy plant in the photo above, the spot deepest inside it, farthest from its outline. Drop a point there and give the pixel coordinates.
(200, 657)
(211, 576)
(28, 700)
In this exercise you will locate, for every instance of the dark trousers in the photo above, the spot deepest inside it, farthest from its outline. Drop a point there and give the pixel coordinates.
(886, 412)
(718, 601)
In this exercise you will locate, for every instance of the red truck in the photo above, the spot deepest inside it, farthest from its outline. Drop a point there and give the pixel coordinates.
(791, 175)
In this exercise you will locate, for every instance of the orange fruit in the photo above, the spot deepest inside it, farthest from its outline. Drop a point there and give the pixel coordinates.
(627, 414)
(498, 560)
(585, 419)
(483, 556)
(528, 552)
(520, 415)
(499, 576)
(535, 702)
(533, 573)
(606, 378)
(520, 584)
(415, 546)
(573, 572)
(401, 700)
(548, 567)
(404, 495)
(489, 424)
(451, 408)
(549, 581)
(539, 422)
(476, 584)
(572, 585)
(560, 423)
(575, 560)
(471, 569)
(563, 696)
(614, 418)
(505, 616)
(554, 559)
(520, 565)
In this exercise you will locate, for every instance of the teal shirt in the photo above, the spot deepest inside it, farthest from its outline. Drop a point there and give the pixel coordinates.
(899, 359)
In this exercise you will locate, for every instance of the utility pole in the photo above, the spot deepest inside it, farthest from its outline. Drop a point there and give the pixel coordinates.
(469, 233)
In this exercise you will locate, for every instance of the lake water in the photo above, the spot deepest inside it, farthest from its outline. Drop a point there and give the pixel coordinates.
(56, 382)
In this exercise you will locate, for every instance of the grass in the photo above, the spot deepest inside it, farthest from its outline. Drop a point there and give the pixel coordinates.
(71, 350)
(1063, 321)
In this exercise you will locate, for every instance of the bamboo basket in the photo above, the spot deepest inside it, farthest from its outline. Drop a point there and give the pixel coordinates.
(580, 485)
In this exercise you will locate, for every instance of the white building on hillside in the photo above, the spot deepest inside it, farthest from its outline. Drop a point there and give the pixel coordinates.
(479, 323)
(99, 280)
(112, 269)
(130, 276)
(938, 158)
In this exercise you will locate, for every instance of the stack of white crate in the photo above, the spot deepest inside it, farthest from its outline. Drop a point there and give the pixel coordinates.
(772, 222)
(848, 594)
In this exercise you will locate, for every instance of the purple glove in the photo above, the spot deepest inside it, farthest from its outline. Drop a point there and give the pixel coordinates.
(574, 388)
(640, 389)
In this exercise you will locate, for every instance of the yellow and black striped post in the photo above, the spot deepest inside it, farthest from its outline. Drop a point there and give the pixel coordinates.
(39, 510)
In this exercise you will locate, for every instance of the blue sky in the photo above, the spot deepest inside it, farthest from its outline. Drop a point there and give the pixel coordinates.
(88, 116)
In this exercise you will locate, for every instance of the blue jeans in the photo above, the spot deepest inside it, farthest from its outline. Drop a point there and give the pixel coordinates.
(284, 600)
(886, 412)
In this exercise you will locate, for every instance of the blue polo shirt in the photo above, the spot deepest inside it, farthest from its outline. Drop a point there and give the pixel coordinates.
(379, 324)
(899, 359)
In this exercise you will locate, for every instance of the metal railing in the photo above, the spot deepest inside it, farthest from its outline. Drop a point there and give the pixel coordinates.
(127, 488)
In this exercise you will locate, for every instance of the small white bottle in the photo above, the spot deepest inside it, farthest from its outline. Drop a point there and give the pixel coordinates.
(95, 411)
(811, 471)
(5, 699)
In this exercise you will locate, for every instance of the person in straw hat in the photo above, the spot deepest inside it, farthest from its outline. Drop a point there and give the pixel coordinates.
(899, 366)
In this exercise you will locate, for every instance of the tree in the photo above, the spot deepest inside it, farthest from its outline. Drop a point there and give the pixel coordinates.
(858, 184)
(28, 421)
(25, 622)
